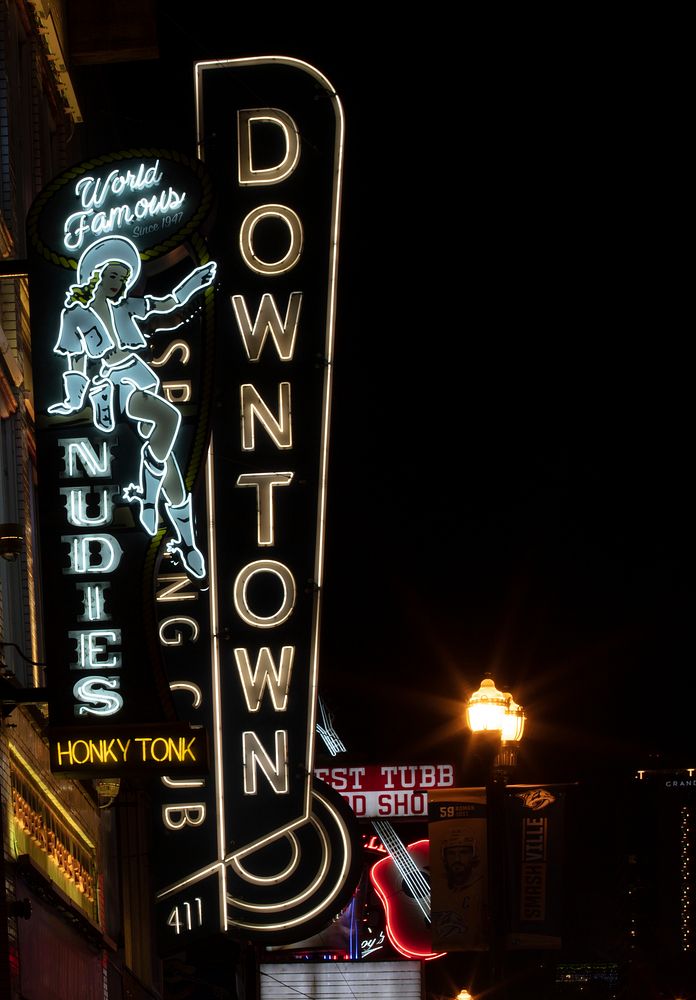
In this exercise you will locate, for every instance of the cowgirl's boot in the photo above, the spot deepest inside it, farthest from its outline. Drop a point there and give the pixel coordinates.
(75, 386)
(101, 396)
(147, 492)
(184, 545)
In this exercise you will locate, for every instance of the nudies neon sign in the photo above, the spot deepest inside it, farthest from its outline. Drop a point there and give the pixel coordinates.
(115, 430)
(101, 339)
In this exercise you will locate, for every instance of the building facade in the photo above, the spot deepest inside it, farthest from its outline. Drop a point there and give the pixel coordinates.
(659, 888)
(72, 853)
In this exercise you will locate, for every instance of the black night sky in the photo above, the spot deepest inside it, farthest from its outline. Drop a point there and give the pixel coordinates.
(511, 461)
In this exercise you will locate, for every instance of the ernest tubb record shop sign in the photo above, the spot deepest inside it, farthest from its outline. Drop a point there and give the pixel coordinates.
(183, 315)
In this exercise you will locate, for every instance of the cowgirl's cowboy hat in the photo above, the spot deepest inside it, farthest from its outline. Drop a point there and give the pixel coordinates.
(109, 248)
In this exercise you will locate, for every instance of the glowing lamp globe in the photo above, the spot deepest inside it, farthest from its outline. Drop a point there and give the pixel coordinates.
(489, 710)
(513, 723)
(485, 709)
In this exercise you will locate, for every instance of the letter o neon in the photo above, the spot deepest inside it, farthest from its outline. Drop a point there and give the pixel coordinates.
(246, 242)
(240, 593)
(159, 739)
(87, 751)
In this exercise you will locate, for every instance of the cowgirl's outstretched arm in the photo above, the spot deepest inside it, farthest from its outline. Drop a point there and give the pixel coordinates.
(193, 283)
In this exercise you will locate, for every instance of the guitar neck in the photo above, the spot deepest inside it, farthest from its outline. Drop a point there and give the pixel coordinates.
(409, 871)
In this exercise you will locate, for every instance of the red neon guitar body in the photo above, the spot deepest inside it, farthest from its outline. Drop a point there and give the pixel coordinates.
(402, 882)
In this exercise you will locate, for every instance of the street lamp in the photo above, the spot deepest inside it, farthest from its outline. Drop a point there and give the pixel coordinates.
(495, 713)
(495, 718)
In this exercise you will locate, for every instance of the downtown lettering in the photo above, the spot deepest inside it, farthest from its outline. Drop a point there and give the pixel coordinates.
(263, 673)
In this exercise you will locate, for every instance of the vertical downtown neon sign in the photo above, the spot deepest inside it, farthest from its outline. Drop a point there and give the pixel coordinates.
(273, 852)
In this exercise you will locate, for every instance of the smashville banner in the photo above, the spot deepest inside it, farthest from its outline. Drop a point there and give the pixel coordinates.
(535, 820)
(532, 872)
(457, 830)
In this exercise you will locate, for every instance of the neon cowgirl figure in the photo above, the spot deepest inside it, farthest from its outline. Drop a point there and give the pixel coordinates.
(101, 338)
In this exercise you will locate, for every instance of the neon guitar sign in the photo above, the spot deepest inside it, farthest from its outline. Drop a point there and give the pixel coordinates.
(403, 886)
(401, 878)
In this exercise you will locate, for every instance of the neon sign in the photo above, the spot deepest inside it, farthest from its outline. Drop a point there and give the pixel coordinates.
(84, 337)
(117, 750)
(388, 790)
(93, 219)
(274, 851)
(117, 270)
(402, 883)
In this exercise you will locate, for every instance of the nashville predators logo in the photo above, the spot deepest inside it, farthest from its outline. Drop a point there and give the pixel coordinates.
(536, 798)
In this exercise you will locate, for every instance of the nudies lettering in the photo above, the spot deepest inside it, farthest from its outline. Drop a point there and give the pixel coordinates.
(95, 555)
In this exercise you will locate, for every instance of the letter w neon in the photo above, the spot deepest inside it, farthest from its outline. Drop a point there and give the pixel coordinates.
(266, 674)
(268, 321)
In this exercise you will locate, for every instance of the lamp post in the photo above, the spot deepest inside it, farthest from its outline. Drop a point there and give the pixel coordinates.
(496, 721)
